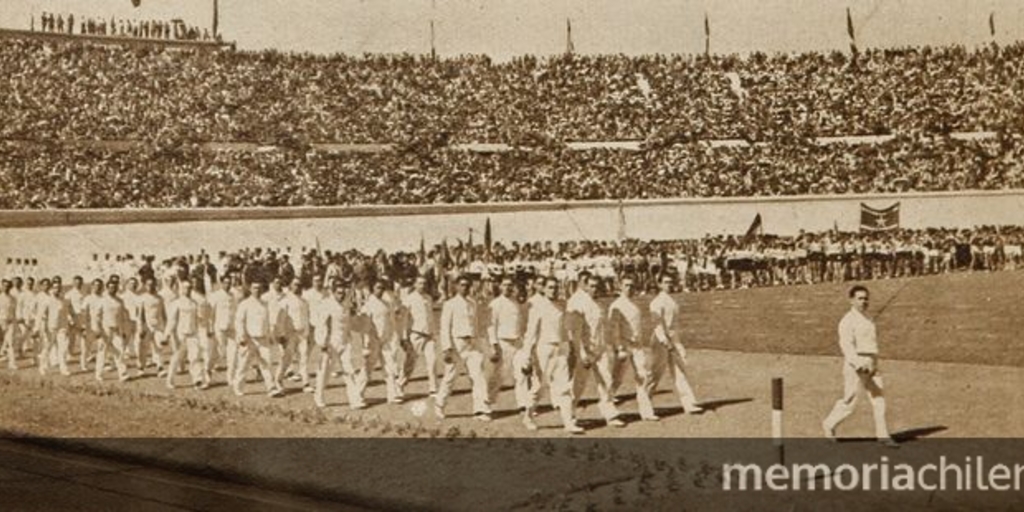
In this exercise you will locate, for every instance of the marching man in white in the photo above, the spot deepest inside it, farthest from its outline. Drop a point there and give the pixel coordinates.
(594, 354)
(460, 342)
(858, 340)
(113, 326)
(547, 329)
(252, 326)
(505, 333)
(334, 337)
(224, 305)
(668, 348)
(626, 325)
(381, 327)
(55, 320)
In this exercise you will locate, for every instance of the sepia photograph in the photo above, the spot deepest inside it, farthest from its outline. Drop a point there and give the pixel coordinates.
(511, 255)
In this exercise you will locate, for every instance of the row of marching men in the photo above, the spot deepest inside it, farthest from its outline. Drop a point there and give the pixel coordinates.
(286, 331)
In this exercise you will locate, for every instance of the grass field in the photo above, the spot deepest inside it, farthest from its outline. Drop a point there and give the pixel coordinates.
(960, 318)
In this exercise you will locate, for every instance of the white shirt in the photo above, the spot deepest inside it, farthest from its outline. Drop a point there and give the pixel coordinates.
(664, 316)
(295, 314)
(224, 306)
(252, 319)
(546, 324)
(421, 310)
(381, 315)
(625, 321)
(593, 325)
(857, 335)
(458, 320)
(506, 320)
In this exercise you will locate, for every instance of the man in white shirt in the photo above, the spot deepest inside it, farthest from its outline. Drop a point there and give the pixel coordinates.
(314, 296)
(626, 326)
(252, 327)
(669, 352)
(113, 326)
(184, 327)
(858, 341)
(461, 343)
(420, 330)
(133, 304)
(593, 353)
(8, 324)
(505, 332)
(79, 319)
(334, 339)
(54, 320)
(152, 324)
(223, 305)
(93, 329)
(382, 323)
(548, 331)
(295, 315)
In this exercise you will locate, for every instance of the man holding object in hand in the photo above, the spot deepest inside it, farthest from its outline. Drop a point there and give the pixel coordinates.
(859, 343)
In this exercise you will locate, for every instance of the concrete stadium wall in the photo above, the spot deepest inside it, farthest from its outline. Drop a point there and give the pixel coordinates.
(66, 239)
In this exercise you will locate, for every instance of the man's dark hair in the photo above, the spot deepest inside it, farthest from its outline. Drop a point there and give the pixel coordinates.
(858, 288)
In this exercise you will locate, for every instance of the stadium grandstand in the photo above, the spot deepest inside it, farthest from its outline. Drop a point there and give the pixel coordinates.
(149, 109)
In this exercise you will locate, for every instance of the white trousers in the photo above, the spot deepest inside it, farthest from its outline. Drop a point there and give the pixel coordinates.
(854, 383)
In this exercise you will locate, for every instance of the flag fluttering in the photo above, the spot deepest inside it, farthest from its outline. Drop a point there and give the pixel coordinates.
(872, 219)
(756, 229)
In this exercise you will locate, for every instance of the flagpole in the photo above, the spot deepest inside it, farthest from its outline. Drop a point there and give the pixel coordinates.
(851, 33)
(992, 26)
(216, 16)
(433, 48)
(707, 35)
(569, 47)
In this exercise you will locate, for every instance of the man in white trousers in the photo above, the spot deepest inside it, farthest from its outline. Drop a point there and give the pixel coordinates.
(8, 324)
(594, 355)
(113, 327)
(382, 324)
(667, 345)
(421, 330)
(548, 330)
(295, 319)
(55, 320)
(183, 329)
(858, 341)
(460, 342)
(626, 326)
(252, 327)
(224, 305)
(505, 332)
(334, 338)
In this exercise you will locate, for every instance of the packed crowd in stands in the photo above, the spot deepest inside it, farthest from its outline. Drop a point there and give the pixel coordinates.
(147, 29)
(75, 91)
(58, 177)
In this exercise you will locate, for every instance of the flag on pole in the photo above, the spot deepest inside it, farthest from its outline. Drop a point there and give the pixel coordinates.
(318, 245)
(707, 35)
(216, 16)
(422, 255)
(433, 49)
(487, 236)
(622, 223)
(850, 32)
(569, 47)
(884, 219)
(756, 229)
(992, 24)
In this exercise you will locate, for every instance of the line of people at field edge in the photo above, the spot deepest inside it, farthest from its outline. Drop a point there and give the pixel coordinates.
(548, 341)
(149, 29)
